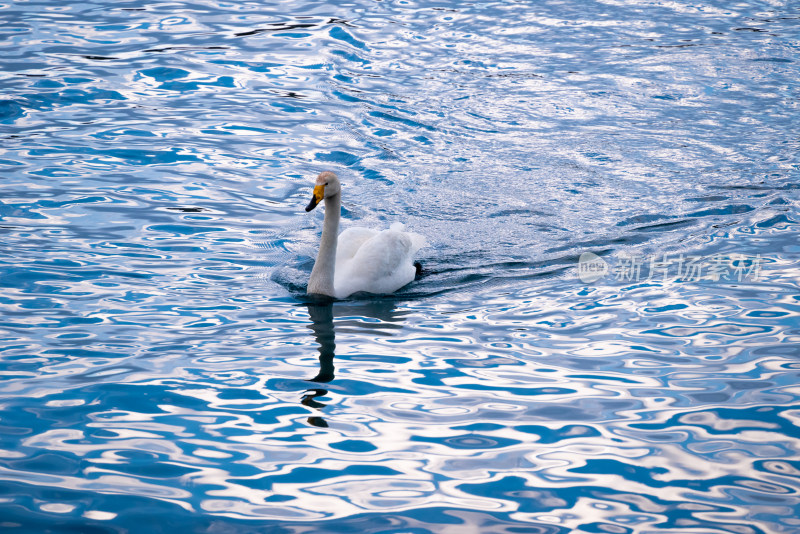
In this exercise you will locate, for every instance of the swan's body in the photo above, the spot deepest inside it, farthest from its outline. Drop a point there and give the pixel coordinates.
(358, 259)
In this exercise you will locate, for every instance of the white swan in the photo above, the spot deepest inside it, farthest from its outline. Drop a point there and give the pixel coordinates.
(359, 259)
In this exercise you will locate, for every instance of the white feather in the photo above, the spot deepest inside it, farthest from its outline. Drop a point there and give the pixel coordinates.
(372, 261)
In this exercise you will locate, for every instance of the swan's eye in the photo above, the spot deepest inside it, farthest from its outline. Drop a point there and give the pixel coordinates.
(326, 183)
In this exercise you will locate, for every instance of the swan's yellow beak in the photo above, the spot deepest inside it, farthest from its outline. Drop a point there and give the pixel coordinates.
(319, 194)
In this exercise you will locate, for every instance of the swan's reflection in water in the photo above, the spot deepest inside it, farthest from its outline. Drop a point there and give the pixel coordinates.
(322, 313)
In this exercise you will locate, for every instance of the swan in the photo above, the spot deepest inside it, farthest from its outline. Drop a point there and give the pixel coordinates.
(358, 259)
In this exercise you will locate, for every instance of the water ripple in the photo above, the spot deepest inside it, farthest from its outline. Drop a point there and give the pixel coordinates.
(160, 363)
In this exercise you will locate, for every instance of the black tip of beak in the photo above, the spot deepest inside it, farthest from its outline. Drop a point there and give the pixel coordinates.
(312, 204)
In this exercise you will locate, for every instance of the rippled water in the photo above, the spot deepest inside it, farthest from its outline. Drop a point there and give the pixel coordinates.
(162, 368)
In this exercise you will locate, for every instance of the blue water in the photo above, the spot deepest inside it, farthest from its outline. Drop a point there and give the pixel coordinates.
(162, 369)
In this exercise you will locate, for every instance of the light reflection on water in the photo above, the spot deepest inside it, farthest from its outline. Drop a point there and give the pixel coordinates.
(162, 368)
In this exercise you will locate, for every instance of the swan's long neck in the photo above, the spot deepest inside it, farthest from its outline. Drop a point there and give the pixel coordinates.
(321, 280)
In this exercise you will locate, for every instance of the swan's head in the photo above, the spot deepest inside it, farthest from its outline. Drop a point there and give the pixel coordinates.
(327, 185)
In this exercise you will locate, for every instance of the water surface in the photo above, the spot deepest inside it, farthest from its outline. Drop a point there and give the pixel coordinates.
(162, 368)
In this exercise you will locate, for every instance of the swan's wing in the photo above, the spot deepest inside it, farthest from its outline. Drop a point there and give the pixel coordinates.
(382, 264)
(417, 240)
(350, 241)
